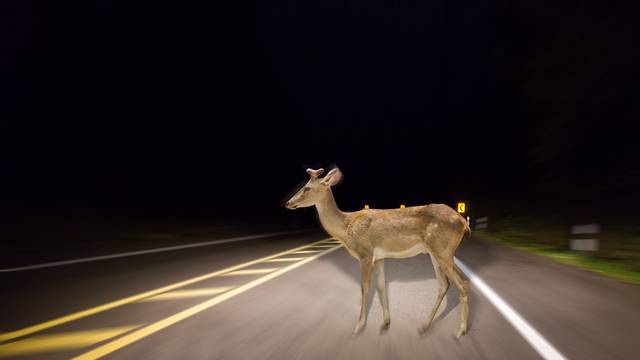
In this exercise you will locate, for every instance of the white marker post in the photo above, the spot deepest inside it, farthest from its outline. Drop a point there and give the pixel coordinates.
(585, 237)
(482, 223)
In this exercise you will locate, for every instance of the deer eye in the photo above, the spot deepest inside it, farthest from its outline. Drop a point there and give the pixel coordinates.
(305, 189)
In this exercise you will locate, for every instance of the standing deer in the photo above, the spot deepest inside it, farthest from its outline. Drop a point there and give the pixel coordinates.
(371, 235)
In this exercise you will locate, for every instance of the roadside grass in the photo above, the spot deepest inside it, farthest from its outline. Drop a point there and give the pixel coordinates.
(619, 260)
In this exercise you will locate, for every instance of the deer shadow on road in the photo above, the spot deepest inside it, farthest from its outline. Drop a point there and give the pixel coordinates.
(420, 268)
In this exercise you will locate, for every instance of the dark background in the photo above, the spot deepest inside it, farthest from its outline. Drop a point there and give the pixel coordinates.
(219, 107)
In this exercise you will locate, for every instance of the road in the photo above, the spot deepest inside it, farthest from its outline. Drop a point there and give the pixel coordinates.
(296, 296)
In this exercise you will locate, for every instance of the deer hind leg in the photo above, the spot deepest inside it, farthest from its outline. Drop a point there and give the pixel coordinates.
(462, 283)
(443, 286)
(365, 268)
(381, 285)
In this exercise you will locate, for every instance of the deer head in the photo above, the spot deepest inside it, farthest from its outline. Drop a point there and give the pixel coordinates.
(315, 189)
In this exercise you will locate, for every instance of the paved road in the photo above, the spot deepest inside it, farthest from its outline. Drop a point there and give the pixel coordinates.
(238, 301)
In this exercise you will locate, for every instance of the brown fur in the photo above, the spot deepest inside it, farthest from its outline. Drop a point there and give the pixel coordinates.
(371, 235)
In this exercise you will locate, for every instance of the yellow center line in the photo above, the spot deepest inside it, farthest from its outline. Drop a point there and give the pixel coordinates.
(190, 293)
(114, 304)
(306, 252)
(250, 272)
(60, 342)
(166, 322)
(286, 259)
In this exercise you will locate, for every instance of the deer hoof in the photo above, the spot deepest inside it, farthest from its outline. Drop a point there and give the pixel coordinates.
(358, 329)
(385, 326)
(422, 330)
(460, 333)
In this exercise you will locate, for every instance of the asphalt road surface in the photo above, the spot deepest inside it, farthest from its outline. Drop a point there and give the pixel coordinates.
(297, 296)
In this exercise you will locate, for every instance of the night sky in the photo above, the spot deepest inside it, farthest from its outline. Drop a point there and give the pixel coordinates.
(223, 105)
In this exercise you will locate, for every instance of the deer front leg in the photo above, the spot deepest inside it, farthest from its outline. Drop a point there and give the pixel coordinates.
(365, 268)
(381, 285)
(443, 286)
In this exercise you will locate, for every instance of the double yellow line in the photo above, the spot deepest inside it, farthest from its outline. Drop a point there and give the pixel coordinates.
(132, 337)
(157, 326)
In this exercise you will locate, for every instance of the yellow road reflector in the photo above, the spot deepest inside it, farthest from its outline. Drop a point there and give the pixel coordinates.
(130, 338)
(366, 206)
(114, 304)
(286, 259)
(402, 206)
(251, 272)
(60, 342)
(462, 207)
(191, 293)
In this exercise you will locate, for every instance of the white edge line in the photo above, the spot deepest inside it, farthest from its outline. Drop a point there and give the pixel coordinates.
(148, 251)
(531, 335)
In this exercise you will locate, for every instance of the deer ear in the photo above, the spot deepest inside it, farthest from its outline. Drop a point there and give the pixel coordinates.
(315, 173)
(333, 177)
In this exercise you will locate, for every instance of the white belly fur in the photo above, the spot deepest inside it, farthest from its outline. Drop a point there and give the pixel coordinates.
(380, 253)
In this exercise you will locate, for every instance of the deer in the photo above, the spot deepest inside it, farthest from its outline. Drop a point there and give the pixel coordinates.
(372, 235)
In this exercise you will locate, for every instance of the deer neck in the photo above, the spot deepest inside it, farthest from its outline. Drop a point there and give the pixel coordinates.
(331, 218)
